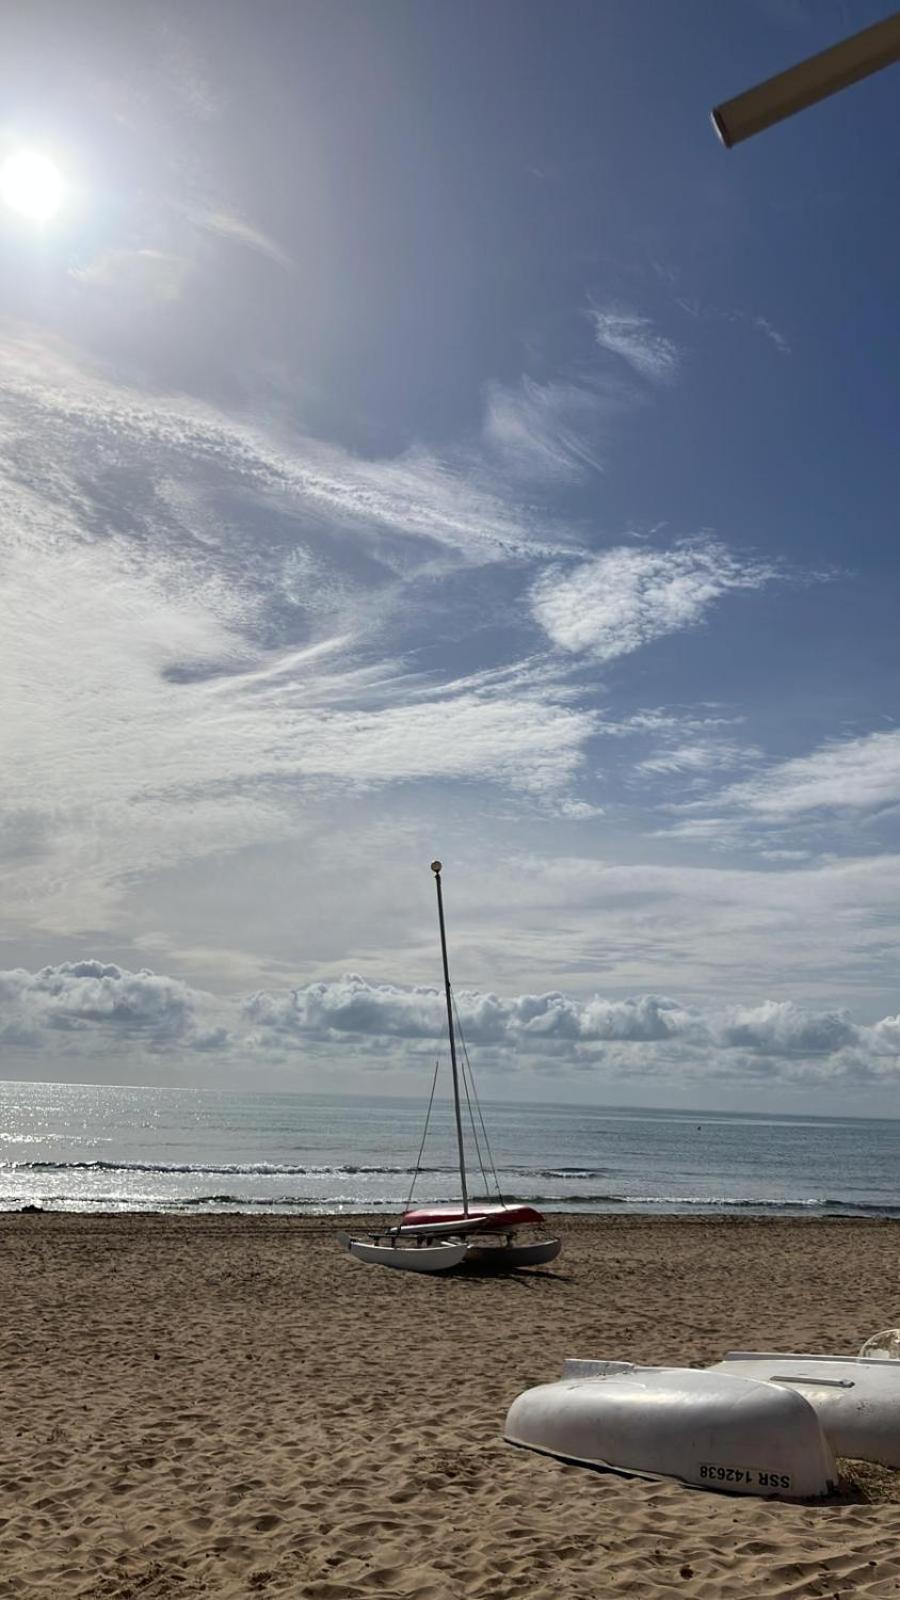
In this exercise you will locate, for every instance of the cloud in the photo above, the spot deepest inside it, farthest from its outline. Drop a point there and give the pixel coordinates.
(223, 635)
(236, 230)
(153, 275)
(779, 1028)
(699, 758)
(214, 708)
(192, 89)
(627, 598)
(799, 932)
(644, 1034)
(626, 334)
(351, 1005)
(80, 1014)
(207, 633)
(844, 774)
(786, 809)
(760, 323)
(93, 995)
(553, 431)
(772, 334)
(417, 497)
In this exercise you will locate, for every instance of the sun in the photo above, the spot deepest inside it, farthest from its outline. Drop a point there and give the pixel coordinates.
(32, 184)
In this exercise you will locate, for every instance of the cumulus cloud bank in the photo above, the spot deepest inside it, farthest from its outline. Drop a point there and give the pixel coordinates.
(576, 1034)
(83, 994)
(85, 1010)
(351, 1005)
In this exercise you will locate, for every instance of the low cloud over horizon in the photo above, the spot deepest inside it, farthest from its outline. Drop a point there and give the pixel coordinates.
(72, 1022)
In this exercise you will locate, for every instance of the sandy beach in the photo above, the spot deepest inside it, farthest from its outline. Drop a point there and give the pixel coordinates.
(233, 1407)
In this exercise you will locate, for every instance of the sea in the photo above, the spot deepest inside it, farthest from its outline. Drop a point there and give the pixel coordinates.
(99, 1148)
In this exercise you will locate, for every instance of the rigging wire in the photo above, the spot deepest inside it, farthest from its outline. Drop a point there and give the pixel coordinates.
(437, 1062)
(467, 1074)
(465, 1080)
(487, 1142)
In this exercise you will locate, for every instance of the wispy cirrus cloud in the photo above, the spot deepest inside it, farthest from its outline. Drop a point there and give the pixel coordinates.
(792, 931)
(243, 623)
(699, 758)
(749, 319)
(181, 68)
(156, 714)
(218, 596)
(627, 598)
(225, 225)
(636, 340)
(799, 800)
(772, 334)
(447, 501)
(552, 431)
(859, 774)
(155, 275)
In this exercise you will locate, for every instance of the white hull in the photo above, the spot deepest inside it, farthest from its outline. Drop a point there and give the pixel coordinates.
(712, 1430)
(758, 1422)
(856, 1399)
(436, 1255)
(508, 1257)
(408, 1258)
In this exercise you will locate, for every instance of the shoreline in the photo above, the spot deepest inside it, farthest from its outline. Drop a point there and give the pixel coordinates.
(735, 1212)
(229, 1405)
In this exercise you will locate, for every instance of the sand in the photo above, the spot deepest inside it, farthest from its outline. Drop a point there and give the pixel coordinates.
(233, 1407)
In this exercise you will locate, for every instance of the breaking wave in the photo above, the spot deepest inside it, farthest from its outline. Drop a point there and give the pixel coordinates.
(243, 1169)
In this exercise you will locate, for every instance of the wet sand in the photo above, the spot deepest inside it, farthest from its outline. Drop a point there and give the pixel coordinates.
(233, 1407)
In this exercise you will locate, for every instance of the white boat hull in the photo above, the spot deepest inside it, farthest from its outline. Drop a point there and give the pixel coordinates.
(712, 1430)
(439, 1255)
(508, 1257)
(856, 1399)
(408, 1258)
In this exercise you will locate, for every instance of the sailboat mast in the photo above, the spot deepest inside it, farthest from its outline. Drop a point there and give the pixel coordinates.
(436, 869)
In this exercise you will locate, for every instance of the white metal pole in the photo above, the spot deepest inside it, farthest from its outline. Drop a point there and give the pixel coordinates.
(436, 869)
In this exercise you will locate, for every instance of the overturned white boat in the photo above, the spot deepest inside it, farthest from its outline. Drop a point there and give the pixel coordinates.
(473, 1233)
(857, 1401)
(761, 1423)
(713, 1430)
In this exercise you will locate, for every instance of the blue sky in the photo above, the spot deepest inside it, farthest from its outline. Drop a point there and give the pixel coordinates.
(419, 436)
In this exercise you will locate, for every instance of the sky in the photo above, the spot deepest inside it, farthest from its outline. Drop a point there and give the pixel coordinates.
(419, 437)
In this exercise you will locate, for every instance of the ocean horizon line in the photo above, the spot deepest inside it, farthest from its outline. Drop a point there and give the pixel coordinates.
(596, 1108)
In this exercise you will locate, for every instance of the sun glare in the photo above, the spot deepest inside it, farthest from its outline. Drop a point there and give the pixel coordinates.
(31, 184)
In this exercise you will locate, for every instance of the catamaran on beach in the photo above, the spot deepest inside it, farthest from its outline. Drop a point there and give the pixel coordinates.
(473, 1233)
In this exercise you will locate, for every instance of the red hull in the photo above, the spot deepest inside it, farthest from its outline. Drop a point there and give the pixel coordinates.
(499, 1217)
